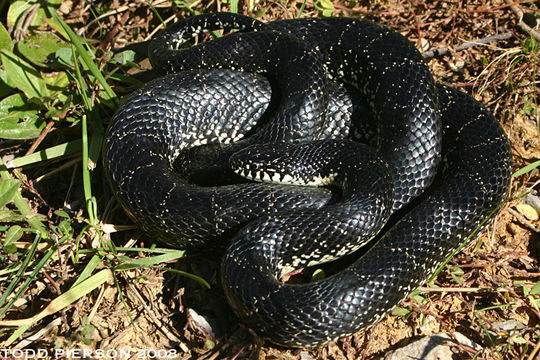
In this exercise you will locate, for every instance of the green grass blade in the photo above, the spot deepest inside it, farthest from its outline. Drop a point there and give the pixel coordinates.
(90, 201)
(185, 274)
(526, 169)
(158, 259)
(128, 249)
(234, 6)
(302, 7)
(85, 56)
(87, 184)
(80, 81)
(464, 243)
(17, 278)
(154, 10)
(96, 140)
(88, 269)
(122, 297)
(47, 154)
(16, 334)
(150, 261)
(66, 299)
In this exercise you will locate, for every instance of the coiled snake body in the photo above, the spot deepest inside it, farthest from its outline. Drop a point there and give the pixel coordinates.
(276, 102)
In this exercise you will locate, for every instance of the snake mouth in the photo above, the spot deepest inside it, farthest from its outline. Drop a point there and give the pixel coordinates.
(280, 164)
(266, 176)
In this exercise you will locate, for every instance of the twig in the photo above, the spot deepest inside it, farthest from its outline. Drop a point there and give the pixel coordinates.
(40, 138)
(467, 44)
(532, 356)
(460, 290)
(517, 10)
(97, 302)
(26, 20)
(160, 26)
(38, 335)
(59, 169)
(83, 30)
(158, 323)
(116, 339)
(524, 221)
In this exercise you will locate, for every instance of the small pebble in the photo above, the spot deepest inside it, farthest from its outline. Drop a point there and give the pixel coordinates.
(507, 326)
(305, 356)
(203, 323)
(432, 347)
(533, 200)
(527, 211)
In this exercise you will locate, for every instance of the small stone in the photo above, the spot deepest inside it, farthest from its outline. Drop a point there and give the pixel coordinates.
(305, 356)
(425, 45)
(527, 211)
(203, 323)
(65, 7)
(430, 326)
(433, 347)
(533, 200)
(507, 326)
(457, 66)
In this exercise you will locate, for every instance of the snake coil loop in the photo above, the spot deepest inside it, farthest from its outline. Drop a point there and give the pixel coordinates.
(283, 102)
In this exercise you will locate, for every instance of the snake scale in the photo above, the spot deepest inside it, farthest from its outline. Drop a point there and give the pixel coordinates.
(204, 159)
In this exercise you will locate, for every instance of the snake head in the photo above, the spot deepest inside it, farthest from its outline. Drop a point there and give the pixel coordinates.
(280, 163)
(270, 163)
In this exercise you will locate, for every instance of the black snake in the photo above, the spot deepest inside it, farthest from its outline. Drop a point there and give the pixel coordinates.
(279, 102)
